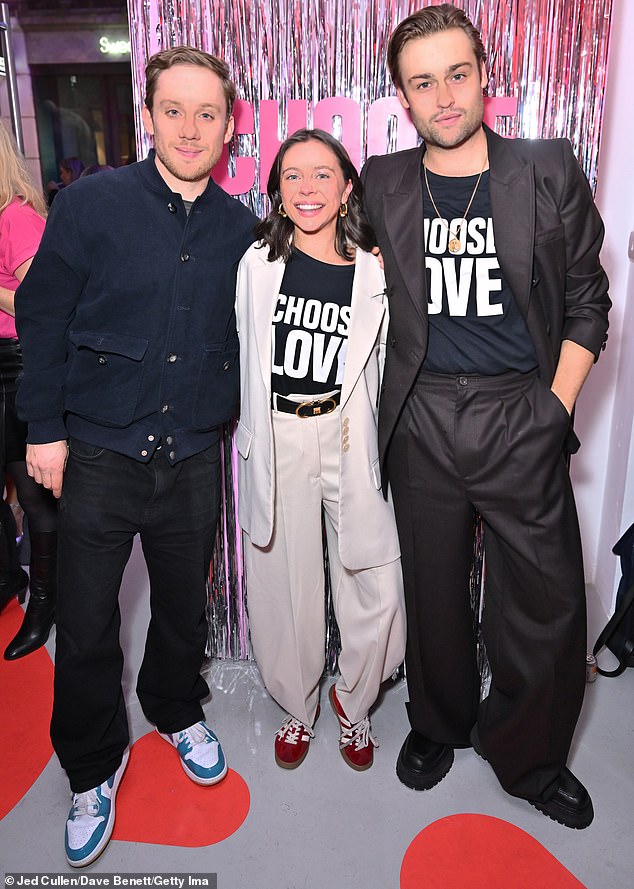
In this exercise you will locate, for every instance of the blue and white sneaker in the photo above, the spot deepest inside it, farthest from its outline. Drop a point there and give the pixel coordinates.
(200, 753)
(91, 819)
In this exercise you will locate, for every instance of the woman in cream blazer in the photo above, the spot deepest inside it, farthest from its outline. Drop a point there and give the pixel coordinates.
(299, 454)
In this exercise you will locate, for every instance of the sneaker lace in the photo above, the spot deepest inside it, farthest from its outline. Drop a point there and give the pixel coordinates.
(357, 733)
(194, 735)
(85, 803)
(292, 729)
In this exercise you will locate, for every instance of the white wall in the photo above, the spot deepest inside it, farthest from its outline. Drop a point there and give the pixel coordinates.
(603, 471)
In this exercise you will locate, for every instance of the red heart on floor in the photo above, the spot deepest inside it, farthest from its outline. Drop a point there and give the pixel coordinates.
(158, 803)
(26, 692)
(480, 852)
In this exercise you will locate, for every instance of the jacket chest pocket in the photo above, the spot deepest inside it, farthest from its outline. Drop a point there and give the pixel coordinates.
(104, 376)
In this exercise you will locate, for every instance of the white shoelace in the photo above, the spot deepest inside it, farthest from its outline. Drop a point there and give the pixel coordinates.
(85, 803)
(194, 735)
(357, 733)
(292, 731)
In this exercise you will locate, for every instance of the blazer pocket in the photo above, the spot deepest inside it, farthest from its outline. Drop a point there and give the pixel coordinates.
(550, 234)
(243, 440)
(216, 397)
(105, 372)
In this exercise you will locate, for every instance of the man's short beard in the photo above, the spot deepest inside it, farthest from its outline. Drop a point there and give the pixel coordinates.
(432, 135)
(185, 176)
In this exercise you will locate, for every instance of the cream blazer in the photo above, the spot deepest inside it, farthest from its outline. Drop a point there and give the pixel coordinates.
(367, 530)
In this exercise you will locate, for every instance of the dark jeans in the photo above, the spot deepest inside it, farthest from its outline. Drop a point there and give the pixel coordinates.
(107, 498)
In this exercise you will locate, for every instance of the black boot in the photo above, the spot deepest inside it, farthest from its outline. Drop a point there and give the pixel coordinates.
(13, 579)
(40, 610)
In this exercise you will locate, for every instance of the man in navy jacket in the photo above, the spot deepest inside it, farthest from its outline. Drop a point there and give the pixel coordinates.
(130, 365)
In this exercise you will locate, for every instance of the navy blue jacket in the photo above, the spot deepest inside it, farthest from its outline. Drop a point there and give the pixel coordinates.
(126, 317)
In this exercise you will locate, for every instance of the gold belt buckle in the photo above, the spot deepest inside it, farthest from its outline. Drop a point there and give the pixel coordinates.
(316, 408)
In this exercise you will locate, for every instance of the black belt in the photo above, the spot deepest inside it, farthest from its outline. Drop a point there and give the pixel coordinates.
(315, 408)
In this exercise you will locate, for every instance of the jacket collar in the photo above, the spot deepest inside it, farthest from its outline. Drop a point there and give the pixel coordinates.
(153, 180)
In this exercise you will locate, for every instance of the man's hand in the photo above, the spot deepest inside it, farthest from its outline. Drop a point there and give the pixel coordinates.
(46, 463)
(574, 366)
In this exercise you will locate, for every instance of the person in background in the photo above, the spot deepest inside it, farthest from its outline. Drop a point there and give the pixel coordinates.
(22, 212)
(498, 310)
(70, 169)
(130, 366)
(312, 315)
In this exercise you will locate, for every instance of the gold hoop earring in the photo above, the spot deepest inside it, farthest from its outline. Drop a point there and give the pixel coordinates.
(343, 211)
(282, 212)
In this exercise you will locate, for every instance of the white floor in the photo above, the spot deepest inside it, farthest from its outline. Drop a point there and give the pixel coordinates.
(325, 825)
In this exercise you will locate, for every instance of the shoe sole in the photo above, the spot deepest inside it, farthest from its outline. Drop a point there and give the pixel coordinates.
(103, 842)
(353, 765)
(292, 765)
(416, 782)
(561, 816)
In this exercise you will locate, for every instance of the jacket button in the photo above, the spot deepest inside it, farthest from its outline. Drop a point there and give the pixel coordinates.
(172, 455)
(164, 408)
(150, 438)
(392, 341)
(172, 357)
(184, 257)
(171, 207)
(226, 365)
(169, 439)
(144, 453)
(102, 359)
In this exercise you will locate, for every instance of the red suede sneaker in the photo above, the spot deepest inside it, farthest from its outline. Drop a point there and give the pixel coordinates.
(292, 742)
(356, 744)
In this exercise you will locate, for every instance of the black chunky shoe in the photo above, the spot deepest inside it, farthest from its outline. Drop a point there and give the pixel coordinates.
(570, 804)
(422, 763)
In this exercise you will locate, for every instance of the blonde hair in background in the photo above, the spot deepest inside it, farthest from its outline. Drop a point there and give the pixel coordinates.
(16, 180)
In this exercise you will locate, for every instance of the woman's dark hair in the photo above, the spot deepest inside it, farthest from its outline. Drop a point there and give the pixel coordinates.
(277, 231)
(72, 165)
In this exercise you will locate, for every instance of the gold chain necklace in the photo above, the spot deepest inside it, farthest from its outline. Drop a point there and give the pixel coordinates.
(454, 238)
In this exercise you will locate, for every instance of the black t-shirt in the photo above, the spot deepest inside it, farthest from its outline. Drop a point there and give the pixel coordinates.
(475, 325)
(310, 326)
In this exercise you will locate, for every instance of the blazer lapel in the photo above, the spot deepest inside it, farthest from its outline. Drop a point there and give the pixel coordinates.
(367, 310)
(403, 213)
(267, 280)
(512, 190)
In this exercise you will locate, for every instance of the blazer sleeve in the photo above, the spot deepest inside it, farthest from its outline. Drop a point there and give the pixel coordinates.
(586, 294)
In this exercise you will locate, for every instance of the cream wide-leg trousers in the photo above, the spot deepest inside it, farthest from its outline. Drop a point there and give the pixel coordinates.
(285, 583)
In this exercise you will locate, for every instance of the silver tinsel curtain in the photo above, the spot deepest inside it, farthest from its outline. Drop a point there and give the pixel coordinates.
(550, 56)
